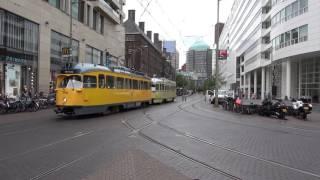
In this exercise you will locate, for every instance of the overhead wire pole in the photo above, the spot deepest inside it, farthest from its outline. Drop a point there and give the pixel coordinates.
(70, 40)
(216, 103)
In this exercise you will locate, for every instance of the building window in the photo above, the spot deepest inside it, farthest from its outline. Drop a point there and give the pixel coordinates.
(59, 41)
(14, 31)
(294, 9)
(303, 33)
(88, 15)
(18, 33)
(288, 12)
(75, 10)
(287, 38)
(294, 36)
(101, 24)
(2, 32)
(55, 3)
(93, 55)
(303, 5)
(95, 19)
(82, 11)
(31, 33)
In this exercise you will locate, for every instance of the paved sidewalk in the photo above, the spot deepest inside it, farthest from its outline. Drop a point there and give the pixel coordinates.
(137, 165)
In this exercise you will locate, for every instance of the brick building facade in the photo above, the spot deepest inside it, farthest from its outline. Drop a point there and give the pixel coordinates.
(142, 53)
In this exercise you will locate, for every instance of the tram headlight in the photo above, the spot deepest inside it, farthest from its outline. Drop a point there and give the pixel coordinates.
(65, 100)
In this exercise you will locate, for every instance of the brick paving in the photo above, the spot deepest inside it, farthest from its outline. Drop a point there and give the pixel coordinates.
(137, 165)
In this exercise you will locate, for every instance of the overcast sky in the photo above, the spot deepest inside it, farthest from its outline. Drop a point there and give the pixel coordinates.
(185, 21)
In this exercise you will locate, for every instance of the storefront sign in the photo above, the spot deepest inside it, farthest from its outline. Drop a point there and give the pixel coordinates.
(10, 59)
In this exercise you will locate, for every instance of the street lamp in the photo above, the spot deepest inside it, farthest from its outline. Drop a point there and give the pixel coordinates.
(70, 60)
(216, 103)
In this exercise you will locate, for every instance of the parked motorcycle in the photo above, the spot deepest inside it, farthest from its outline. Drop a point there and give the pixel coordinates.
(228, 103)
(300, 108)
(51, 99)
(273, 108)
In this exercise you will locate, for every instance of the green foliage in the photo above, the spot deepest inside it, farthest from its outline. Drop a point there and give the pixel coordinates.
(214, 81)
(181, 81)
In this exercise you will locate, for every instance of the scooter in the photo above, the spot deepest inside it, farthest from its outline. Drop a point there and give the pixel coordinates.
(300, 108)
(228, 103)
(273, 108)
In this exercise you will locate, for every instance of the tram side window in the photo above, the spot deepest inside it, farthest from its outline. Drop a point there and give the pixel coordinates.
(145, 85)
(127, 83)
(102, 81)
(89, 81)
(120, 83)
(135, 84)
(130, 83)
(158, 87)
(110, 82)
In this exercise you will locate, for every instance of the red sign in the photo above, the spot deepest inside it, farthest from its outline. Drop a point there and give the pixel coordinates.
(223, 54)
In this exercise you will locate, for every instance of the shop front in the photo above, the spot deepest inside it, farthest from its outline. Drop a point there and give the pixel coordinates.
(19, 39)
(18, 74)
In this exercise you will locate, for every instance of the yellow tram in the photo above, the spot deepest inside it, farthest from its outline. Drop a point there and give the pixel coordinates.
(163, 90)
(92, 89)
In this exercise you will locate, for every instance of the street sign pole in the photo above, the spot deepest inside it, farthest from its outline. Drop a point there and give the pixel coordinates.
(216, 103)
(70, 40)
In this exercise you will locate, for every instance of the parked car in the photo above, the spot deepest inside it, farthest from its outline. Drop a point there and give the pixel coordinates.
(222, 94)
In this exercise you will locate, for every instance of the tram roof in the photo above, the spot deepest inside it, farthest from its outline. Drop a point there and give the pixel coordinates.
(87, 67)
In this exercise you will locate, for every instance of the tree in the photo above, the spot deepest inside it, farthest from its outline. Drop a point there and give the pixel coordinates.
(212, 82)
(181, 80)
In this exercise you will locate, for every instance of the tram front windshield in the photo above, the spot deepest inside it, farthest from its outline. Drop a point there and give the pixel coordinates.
(73, 81)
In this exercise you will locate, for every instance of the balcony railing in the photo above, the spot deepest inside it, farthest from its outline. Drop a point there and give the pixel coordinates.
(291, 42)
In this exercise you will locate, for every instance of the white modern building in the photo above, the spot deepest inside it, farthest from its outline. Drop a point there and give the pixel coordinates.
(33, 33)
(274, 48)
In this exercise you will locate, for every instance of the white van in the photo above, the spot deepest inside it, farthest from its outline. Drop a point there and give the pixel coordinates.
(210, 95)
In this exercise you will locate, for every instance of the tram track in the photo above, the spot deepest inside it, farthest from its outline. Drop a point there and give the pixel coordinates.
(207, 142)
(170, 149)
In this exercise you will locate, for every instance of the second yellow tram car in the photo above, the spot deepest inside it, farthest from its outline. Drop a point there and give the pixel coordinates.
(163, 90)
(92, 89)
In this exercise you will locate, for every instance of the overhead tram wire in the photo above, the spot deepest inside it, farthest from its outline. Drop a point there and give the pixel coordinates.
(155, 20)
(144, 10)
(171, 22)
